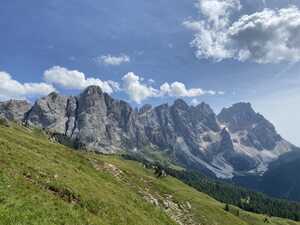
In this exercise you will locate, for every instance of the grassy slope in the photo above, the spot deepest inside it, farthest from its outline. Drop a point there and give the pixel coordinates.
(47, 183)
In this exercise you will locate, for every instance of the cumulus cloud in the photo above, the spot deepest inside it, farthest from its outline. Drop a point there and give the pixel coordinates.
(218, 11)
(139, 91)
(179, 89)
(76, 80)
(136, 90)
(113, 60)
(210, 39)
(10, 88)
(268, 36)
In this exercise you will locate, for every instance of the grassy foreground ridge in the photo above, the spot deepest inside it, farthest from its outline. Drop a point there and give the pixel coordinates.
(47, 183)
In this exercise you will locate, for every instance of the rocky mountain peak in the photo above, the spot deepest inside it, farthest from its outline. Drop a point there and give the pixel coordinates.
(93, 100)
(180, 104)
(204, 114)
(14, 109)
(242, 106)
(49, 112)
(254, 130)
(240, 116)
(205, 108)
(53, 95)
(92, 91)
(239, 108)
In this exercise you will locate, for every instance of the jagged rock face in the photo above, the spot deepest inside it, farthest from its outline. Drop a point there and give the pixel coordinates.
(238, 160)
(14, 109)
(252, 128)
(71, 114)
(240, 116)
(205, 115)
(49, 113)
(90, 128)
(254, 138)
(92, 120)
(192, 124)
(103, 123)
(165, 125)
(226, 142)
(265, 134)
(191, 135)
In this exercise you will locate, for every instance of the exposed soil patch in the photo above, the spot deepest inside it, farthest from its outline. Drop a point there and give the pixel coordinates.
(179, 212)
(107, 167)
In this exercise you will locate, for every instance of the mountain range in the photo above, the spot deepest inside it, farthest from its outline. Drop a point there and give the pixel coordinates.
(236, 142)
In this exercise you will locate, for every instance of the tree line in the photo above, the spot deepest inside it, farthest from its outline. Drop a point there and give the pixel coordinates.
(228, 193)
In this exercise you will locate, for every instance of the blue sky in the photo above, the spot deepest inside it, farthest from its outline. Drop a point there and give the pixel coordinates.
(154, 52)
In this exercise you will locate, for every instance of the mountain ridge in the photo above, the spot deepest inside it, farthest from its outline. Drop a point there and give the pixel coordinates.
(235, 142)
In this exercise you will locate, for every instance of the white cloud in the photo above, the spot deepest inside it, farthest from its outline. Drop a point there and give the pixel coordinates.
(138, 91)
(218, 11)
(269, 36)
(113, 60)
(73, 79)
(178, 89)
(135, 86)
(210, 39)
(10, 88)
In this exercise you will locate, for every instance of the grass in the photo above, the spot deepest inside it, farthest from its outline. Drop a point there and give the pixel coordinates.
(47, 183)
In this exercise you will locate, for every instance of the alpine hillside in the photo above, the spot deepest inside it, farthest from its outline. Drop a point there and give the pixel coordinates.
(42, 182)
